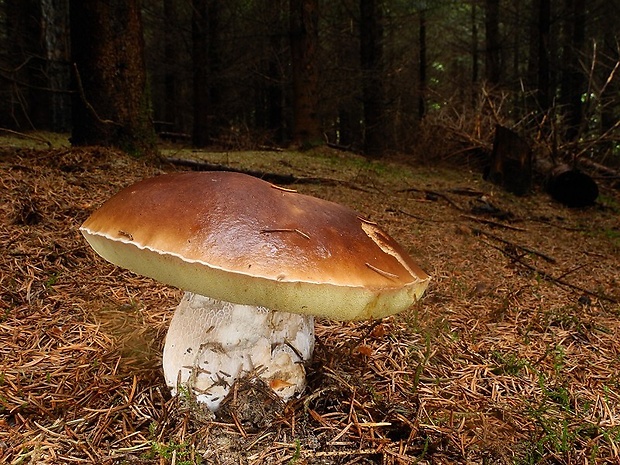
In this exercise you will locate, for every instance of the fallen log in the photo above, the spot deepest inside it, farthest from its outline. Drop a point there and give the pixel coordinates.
(512, 166)
(569, 186)
(572, 187)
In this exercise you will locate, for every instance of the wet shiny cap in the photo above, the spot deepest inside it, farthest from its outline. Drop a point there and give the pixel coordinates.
(237, 238)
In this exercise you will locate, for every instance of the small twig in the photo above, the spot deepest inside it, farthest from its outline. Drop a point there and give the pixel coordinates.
(433, 192)
(286, 230)
(27, 136)
(87, 104)
(385, 274)
(516, 246)
(421, 218)
(493, 223)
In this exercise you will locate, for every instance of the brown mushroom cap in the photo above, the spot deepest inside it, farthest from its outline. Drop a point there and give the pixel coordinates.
(237, 238)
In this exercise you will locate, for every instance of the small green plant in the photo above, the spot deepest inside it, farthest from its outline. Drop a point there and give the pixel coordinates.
(51, 280)
(422, 364)
(507, 364)
(180, 453)
(297, 454)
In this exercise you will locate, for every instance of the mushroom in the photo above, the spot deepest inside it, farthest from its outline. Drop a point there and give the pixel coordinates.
(257, 262)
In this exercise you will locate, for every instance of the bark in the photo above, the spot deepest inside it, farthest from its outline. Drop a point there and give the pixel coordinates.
(543, 71)
(171, 52)
(216, 92)
(274, 89)
(609, 57)
(511, 162)
(493, 44)
(304, 36)
(110, 103)
(572, 187)
(201, 133)
(422, 64)
(512, 167)
(36, 54)
(371, 54)
(55, 15)
(573, 78)
(475, 71)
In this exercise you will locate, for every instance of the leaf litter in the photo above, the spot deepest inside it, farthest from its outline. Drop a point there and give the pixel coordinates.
(511, 357)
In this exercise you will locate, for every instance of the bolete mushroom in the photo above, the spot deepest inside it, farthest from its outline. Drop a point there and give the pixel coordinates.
(257, 262)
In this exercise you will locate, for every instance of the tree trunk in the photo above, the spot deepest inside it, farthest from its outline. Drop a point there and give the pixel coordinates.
(371, 54)
(422, 64)
(110, 105)
(36, 55)
(216, 92)
(493, 44)
(304, 36)
(542, 36)
(573, 78)
(274, 92)
(171, 52)
(475, 69)
(610, 56)
(201, 133)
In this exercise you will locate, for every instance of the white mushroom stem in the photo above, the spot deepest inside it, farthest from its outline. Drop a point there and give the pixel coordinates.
(211, 343)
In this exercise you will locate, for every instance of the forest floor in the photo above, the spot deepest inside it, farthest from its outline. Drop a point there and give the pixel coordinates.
(512, 356)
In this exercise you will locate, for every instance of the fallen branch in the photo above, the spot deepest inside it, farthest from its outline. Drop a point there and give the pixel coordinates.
(27, 136)
(432, 193)
(559, 281)
(276, 178)
(417, 217)
(545, 257)
(492, 223)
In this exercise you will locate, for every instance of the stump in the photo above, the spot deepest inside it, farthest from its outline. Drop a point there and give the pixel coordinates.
(511, 162)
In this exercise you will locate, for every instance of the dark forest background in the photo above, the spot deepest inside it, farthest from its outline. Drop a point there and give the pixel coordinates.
(374, 76)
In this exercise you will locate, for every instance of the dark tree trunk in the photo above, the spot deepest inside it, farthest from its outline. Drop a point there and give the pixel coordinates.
(275, 96)
(58, 64)
(110, 105)
(542, 36)
(475, 68)
(171, 53)
(304, 35)
(422, 64)
(348, 127)
(573, 77)
(201, 133)
(215, 69)
(371, 54)
(37, 58)
(610, 56)
(23, 28)
(274, 92)
(493, 44)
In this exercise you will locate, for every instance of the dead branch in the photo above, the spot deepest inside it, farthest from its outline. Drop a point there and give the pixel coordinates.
(492, 223)
(433, 193)
(548, 277)
(27, 136)
(87, 104)
(545, 257)
(276, 178)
